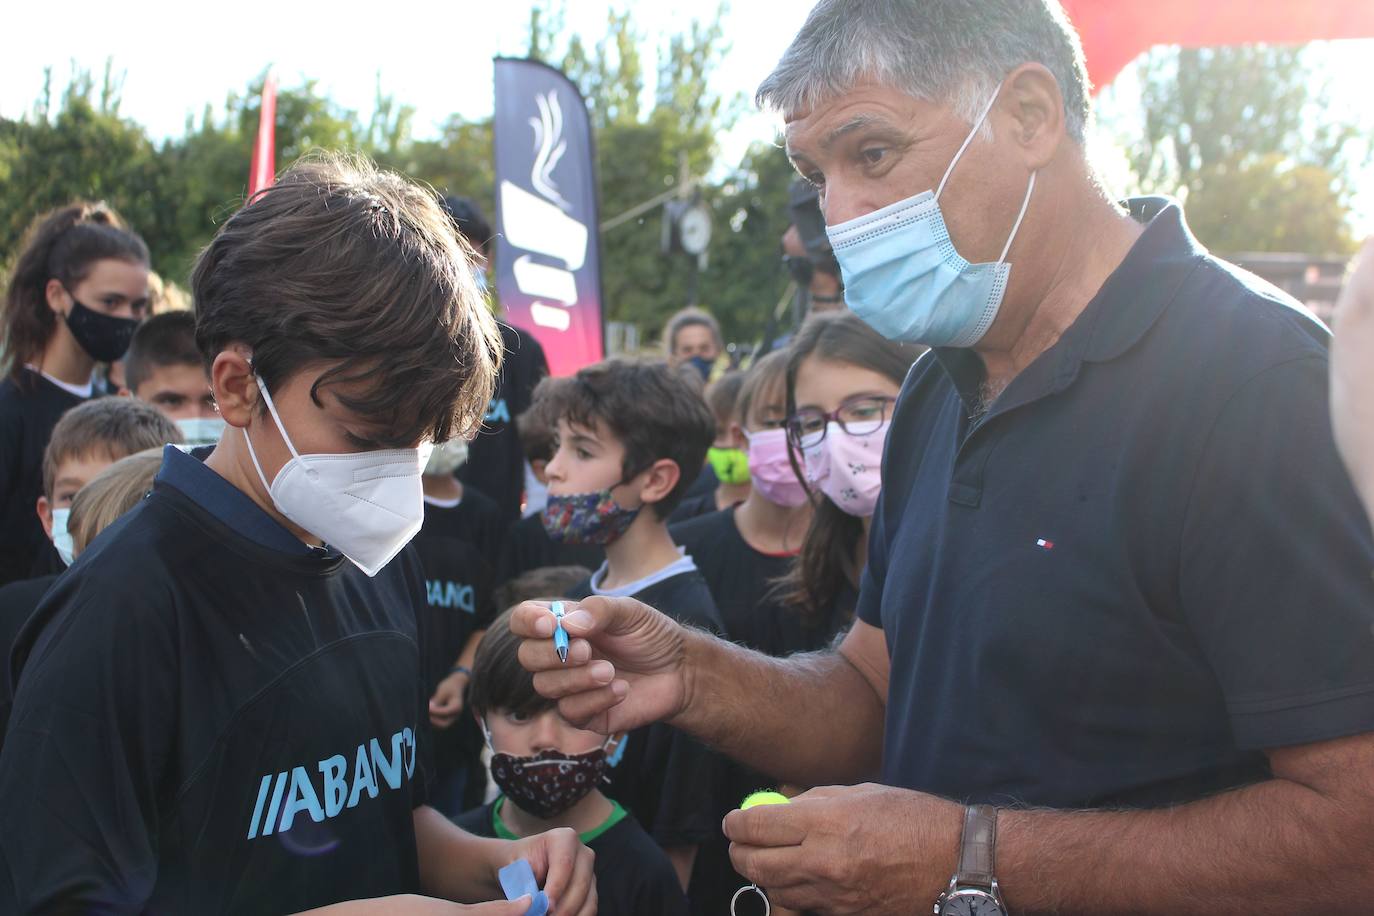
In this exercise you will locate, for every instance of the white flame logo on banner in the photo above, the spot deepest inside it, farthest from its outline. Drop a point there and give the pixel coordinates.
(539, 225)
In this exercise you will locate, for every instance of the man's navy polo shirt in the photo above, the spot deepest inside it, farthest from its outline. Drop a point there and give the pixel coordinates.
(1141, 567)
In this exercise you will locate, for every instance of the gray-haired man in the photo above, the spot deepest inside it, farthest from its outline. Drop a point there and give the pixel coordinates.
(1115, 639)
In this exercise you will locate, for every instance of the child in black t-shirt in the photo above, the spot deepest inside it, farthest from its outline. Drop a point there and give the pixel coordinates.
(87, 440)
(550, 773)
(726, 458)
(631, 436)
(225, 710)
(165, 369)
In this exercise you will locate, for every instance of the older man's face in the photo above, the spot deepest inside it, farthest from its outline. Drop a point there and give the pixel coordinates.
(873, 146)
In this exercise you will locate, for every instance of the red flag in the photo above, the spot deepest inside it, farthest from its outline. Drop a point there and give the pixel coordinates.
(1115, 32)
(262, 171)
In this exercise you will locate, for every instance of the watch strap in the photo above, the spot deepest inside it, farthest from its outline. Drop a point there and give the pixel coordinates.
(977, 854)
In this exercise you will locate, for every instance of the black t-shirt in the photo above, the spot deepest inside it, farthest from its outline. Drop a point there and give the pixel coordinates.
(207, 725)
(743, 583)
(1141, 568)
(668, 780)
(694, 507)
(28, 412)
(18, 600)
(496, 462)
(529, 547)
(633, 876)
(458, 547)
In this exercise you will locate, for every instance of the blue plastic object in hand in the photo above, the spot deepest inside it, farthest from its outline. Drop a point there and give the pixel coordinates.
(517, 880)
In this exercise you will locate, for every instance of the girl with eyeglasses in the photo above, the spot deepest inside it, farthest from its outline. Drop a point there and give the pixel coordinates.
(842, 383)
(77, 292)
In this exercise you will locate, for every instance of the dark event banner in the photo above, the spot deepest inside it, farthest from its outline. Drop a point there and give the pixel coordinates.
(548, 246)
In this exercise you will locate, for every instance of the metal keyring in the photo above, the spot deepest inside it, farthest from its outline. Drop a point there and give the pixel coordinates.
(767, 907)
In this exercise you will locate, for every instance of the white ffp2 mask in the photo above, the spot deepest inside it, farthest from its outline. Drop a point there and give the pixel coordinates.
(367, 505)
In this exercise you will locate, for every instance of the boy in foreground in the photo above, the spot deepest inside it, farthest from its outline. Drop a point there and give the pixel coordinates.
(225, 712)
(550, 774)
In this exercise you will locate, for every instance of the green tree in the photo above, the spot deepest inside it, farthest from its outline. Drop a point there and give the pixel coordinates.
(79, 149)
(1239, 134)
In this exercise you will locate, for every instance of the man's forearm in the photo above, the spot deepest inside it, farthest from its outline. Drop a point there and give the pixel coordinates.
(1275, 847)
(810, 719)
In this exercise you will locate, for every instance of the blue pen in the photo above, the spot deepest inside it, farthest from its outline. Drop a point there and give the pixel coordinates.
(560, 635)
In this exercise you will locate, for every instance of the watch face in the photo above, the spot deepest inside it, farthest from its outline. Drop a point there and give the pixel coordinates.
(971, 903)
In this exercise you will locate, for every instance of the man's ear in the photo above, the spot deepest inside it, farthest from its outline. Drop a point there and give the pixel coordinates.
(45, 515)
(659, 480)
(234, 386)
(1031, 108)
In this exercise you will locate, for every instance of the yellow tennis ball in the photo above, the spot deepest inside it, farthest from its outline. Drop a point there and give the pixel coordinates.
(763, 798)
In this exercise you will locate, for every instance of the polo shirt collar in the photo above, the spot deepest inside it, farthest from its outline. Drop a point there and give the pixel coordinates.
(1124, 309)
(188, 474)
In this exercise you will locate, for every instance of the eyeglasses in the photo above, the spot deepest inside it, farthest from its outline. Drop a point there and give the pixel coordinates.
(861, 416)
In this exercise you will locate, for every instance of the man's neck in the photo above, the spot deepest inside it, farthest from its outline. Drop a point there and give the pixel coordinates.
(1089, 252)
(588, 814)
(64, 360)
(770, 528)
(640, 552)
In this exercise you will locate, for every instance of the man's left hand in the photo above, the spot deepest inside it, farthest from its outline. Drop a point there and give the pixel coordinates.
(857, 849)
(563, 868)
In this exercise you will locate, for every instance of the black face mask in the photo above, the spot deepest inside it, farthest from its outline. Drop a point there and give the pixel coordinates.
(105, 338)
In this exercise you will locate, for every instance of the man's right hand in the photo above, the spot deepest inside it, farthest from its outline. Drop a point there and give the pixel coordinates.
(625, 663)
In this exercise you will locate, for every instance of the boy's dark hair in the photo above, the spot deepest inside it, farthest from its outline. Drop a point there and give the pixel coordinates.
(535, 584)
(114, 427)
(163, 340)
(499, 681)
(647, 407)
(339, 262)
(536, 431)
(61, 245)
(722, 396)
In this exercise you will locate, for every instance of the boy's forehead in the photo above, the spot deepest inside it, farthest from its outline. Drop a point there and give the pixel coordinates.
(80, 468)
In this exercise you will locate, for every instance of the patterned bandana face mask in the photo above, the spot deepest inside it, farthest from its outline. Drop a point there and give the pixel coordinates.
(587, 518)
(550, 782)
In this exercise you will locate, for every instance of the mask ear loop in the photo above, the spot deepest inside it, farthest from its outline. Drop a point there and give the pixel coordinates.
(1025, 205)
(987, 109)
(734, 901)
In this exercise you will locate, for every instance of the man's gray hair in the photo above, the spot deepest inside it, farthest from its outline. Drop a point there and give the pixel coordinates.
(955, 52)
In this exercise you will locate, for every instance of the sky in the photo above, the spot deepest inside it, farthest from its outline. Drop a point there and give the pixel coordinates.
(177, 57)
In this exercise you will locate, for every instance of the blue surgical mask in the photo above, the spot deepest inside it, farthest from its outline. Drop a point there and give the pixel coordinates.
(197, 431)
(61, 537)
(903, 277)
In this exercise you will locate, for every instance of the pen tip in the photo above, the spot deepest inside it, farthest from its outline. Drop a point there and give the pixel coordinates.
(562, 655)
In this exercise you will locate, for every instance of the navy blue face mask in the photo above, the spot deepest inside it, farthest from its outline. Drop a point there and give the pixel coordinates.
(702, 365)
(105, 338)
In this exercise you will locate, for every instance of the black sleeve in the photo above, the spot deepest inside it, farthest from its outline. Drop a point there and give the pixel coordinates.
(1275, 563)
(81, 771)
(692, 801)
(414, 579)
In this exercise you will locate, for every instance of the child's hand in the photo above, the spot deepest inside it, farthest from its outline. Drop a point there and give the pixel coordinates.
(563, 868)
(447, 703)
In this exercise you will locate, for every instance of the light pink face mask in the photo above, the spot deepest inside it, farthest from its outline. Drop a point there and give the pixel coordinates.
(848, 469)
(770, 470)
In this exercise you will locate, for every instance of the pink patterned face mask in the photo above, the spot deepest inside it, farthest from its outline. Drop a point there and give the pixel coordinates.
(848, 468)
(770, 470)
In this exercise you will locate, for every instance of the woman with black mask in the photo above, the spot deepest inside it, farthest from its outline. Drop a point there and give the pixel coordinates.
(74, 299)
